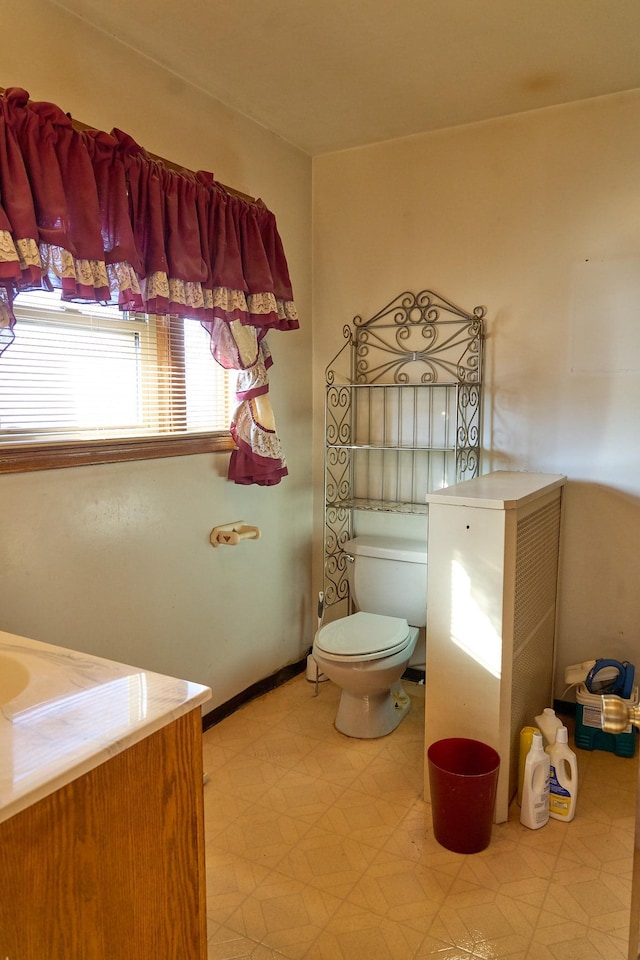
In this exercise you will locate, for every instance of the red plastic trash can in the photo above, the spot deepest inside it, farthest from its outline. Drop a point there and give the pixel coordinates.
(463, 777)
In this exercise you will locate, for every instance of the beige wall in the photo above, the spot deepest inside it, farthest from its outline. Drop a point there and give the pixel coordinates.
(116, 559)
(537, 217)
(534, 216)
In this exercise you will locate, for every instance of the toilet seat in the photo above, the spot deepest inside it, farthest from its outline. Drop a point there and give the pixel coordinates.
(363, 636)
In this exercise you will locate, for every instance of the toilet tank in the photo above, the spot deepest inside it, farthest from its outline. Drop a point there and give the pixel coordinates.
(388, 575)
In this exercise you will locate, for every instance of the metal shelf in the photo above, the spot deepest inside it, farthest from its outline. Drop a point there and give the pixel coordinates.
(377, 446)
(381, 506)
(403, 419)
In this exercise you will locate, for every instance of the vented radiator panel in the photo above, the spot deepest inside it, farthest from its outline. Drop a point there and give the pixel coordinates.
(537, 544)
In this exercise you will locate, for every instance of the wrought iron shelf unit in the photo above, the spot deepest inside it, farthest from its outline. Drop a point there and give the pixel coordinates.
(380, 506)
(377, 446)
(402, 419)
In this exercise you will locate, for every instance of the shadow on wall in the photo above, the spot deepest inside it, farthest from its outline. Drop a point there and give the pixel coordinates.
(599, 598)
(514, 405)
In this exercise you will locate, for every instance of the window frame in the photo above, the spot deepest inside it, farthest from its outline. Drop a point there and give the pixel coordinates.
(23, 457)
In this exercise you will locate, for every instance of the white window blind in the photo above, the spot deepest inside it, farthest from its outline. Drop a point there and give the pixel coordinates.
(86, 372)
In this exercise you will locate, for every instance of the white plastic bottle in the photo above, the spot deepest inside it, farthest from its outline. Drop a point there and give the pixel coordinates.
(548, 724)
(563, 778)
(534, 811)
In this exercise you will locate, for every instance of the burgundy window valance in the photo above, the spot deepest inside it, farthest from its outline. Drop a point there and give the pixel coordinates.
(94, 215)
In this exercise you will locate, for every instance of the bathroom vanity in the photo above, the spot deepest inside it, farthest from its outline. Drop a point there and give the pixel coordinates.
(101, 811)
(491, 612)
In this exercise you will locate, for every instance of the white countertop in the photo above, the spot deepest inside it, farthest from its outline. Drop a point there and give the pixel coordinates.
(500, 490)
(75, 712)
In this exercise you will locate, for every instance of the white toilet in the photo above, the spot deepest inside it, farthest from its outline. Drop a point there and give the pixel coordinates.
(366, 653)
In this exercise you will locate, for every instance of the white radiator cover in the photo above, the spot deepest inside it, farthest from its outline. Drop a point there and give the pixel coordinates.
(491, 612)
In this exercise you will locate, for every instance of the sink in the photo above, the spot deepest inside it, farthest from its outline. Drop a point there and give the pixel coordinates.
(14, 677)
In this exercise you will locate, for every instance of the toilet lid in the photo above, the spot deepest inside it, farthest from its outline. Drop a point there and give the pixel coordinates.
(363, 636)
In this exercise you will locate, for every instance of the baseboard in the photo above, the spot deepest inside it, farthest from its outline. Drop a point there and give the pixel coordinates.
(564, 708)
(270, 683)
(414, 674)
(255, 690)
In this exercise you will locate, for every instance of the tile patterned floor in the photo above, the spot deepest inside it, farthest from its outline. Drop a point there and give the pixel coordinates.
(321, 847)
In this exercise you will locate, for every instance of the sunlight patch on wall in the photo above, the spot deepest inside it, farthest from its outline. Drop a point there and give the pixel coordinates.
(471, 629)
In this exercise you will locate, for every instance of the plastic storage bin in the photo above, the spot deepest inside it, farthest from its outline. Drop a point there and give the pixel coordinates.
(463, 778)
(589, 734)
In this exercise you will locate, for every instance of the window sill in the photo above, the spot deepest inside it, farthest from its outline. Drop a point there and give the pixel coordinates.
(24, 458)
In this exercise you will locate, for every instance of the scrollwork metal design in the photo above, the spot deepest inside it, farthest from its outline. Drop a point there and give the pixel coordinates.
(337, 531)
(450, 349)
(338, 415)
(468, 432)
(338, 479)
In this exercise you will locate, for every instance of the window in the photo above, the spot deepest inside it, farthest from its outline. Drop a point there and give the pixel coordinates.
(89, 384)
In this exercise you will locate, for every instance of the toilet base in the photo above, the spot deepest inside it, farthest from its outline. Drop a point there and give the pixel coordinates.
(372, 715)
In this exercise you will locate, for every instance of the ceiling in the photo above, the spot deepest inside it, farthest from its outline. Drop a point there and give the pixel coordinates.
(334, 74)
